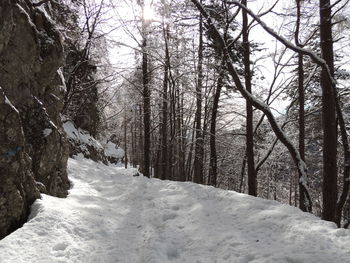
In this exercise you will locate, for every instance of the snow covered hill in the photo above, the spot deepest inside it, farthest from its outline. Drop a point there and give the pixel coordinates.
(111, 216)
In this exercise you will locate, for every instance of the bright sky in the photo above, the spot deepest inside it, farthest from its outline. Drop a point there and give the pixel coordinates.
(123, 57)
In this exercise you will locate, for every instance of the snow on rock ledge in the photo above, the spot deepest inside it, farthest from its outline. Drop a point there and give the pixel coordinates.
(113, 152)
(82, 142)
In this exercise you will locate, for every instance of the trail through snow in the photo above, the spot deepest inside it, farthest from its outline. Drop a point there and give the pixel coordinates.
(111, 216)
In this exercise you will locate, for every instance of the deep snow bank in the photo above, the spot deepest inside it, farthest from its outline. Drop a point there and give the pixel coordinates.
(111, 216)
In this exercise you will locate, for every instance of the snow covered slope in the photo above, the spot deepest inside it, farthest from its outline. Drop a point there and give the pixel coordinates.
(111, 216)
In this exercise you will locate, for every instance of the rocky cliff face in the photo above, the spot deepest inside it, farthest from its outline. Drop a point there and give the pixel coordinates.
(33, 147)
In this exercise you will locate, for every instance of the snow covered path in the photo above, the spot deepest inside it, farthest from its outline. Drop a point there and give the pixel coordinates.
(111, 216)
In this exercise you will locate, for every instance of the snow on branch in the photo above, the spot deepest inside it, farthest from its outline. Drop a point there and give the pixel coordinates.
(318, 60)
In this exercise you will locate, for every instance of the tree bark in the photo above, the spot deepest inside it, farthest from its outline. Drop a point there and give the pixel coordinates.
(213, 165)
(146, 101)
(125, 141)
(346, 173)
(198, 151)
(252, 180)
(329, 122)
(164, 129)
(301, 101)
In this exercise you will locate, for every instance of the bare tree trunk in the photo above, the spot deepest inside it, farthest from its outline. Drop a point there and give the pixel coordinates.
(347, 214)
(125, 141)
(164, 125)
(141, 139)
(291, 185)
(190, 153)
(268, 183)
(346, 173)
(182, 134)
(158, 162)
(241, 180)
(296, 184)
(213, 166)
(252, 182)
(133, 157)
(302, 205)
(329, 122)
(146, 101)
(198, 151)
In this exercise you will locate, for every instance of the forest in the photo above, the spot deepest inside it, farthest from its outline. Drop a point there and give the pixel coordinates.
(193, 130)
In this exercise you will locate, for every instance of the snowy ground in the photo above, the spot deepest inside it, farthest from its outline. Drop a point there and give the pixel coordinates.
(111, 216)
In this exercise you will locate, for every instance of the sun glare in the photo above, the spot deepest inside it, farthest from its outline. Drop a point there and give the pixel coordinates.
(148, 13)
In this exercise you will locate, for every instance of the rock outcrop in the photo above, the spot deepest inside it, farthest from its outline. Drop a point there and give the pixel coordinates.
(17, 188)
(34, 150)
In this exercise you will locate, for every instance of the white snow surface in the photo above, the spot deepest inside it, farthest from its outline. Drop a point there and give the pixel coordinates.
(47, 132)
(8, 102)
(111, 216)
(112, 150)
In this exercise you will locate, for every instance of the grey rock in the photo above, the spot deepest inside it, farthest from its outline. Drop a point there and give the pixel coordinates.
(17, 188)
(32, 142)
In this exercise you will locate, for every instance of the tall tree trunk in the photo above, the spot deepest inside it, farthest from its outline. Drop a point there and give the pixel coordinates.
(125, 141)
(213, 165)
(141, 138)
(329, 122)
(146, 101)
(346, 173)
(301, 93)
(164, 127)
(252, 182)
(198, 151)
(296, 184)
(347, 214)
(181, 135)
(241, 178)
(133, 144)
(190, 153)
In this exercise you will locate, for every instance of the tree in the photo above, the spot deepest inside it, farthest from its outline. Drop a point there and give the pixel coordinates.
(213, 166)
(198, 150)
(255, 102)
(164, 122)
(329, 122)
(146, 94)
(301, 100)
(83, 69)
(252, 181)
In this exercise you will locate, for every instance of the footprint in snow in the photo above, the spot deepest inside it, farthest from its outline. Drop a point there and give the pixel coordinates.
(170, 216)
(175, 208)
(172, 253)
(60, 246)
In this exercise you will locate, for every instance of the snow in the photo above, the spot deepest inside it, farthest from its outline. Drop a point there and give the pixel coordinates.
(47, 132)
(80, 136)
(112, 216)
(112, 150)
(8, 102)
(83, 138)
(62, 80)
